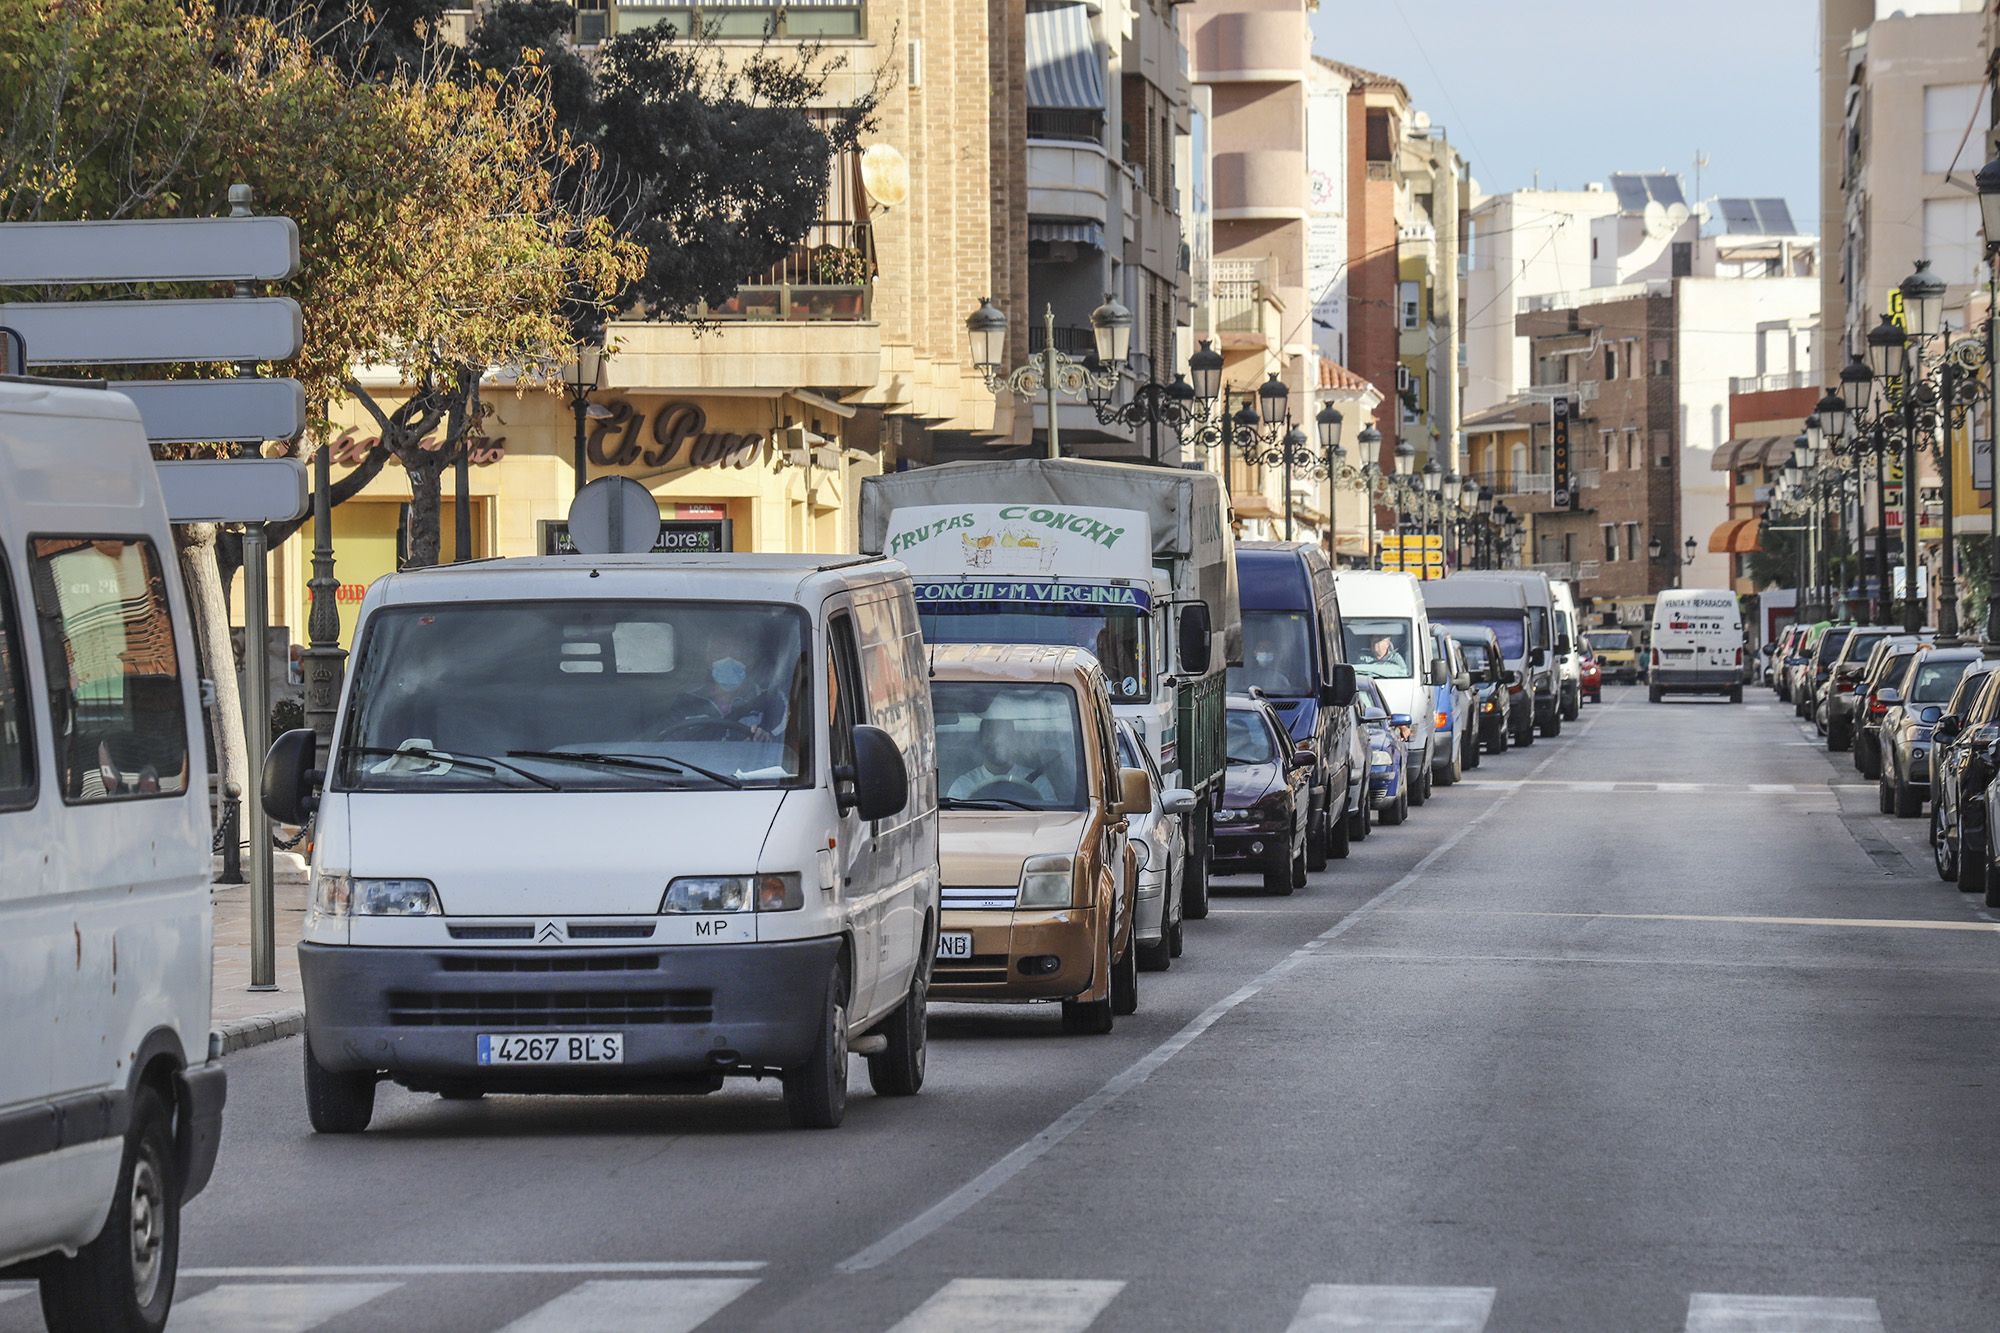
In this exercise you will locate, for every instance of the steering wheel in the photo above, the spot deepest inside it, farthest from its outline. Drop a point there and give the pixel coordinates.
(1007, 790)
(705, 729)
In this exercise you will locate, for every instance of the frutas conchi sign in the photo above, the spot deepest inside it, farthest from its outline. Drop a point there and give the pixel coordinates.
(1053, 540)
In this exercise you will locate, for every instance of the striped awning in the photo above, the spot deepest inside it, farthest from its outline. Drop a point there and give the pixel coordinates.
(1063, 69)
(1083, 233)
(1751, 451)
(1736, 536)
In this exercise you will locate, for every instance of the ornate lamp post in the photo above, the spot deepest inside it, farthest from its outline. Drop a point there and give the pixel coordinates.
(1051, 373)
(1857, 390)
(1988, 184)
(1433, 487)
(583, 377)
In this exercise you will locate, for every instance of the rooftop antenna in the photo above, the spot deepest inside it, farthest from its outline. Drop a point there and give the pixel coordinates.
(1700, 161)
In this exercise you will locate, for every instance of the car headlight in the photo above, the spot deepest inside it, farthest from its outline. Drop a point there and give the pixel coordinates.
(1143, 849)
(708, 895)
(1381, 757)
(1273, 804)
(1229, 816)
(1045, 881)
(344, 895)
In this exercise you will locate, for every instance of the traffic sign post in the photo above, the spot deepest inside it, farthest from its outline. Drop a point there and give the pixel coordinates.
(195, 411)
(614, 516)
(154, 333)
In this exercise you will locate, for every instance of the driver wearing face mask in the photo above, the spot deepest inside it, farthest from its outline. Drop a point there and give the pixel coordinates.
(729, 694)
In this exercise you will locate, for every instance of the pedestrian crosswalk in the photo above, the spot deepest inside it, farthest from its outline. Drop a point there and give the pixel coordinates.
(961, 1305)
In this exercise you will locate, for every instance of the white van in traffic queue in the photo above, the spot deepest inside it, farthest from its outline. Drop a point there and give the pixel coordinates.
(1697, 644)
(1569, 663)
(621, 824)
(1386, 632)
(111, 1091)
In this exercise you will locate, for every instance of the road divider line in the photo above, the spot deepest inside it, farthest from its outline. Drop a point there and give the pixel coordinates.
(967, 1196)
(477, 1270)
(658, 1305)
(1709, 1312)
(275, 1307)
(1332, 1308)
(1008, 1305)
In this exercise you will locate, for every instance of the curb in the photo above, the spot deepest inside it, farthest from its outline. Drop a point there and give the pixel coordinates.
(244, 1033)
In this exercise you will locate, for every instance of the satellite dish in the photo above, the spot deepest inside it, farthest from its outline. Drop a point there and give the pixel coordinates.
(1421, 122)
(1659, 226)
(885, 174)
(1678, 214)
(614, 516)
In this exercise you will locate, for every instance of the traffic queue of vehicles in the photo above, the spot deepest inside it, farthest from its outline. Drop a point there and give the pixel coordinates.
(1922, 720)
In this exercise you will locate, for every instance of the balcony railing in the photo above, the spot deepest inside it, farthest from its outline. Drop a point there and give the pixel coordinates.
(828, 276)
(1783, 379)
(1071, 340)
(1068, 125)
(1238, 285)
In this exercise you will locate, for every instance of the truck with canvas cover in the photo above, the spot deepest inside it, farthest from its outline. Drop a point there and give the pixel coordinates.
(1136, 564)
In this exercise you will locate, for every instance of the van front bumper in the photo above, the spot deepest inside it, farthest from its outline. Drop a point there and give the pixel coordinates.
(1003, 941)
(700, 1009)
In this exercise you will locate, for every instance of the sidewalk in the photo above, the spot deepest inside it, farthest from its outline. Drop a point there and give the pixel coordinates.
(245, 1017)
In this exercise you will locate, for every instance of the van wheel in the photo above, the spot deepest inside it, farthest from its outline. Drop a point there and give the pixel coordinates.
(1555, 726)
(1125, 981)
(337, 1103)
(1359, 823)
(1471, 760)
(816, 1091)
(1419, 791)
(1526, 735)
(1736, 694)
(898, 1071)
(1653, 694)
(1092, 1018)
(123, 1281)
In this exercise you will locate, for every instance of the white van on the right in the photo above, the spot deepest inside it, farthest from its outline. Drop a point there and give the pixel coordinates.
(1697, 644)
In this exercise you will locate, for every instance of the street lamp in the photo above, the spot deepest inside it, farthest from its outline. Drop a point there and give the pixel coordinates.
(1205, 369)
(1272, 396)
(1923, 301)
(1888, 349)
(1328, 423)
(1987, 182)
(583, 377)
(1050, 372)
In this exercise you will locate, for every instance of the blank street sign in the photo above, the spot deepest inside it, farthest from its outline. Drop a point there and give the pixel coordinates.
(162, 250)
(614, 516)
(234, 490)
(186, 411)
(104, 333)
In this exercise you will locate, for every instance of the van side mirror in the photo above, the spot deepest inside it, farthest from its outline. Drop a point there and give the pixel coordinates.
(1194, 633)
(1135, 793)
(290, 784)
(1340, 687)
(1538, 657)
(1563, 646)
(1440, 673)
(1510, 677)
(881, 784)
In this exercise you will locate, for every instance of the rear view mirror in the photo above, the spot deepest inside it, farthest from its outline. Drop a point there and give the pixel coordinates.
(1539, 657)
(1194, 633)
(1303, 759)
(1399, 719)
(1440, 673)
(1888, 695)
(1135, 792)
(1947, 727)
(1338, 692)
(881, 780)
(1178, 801)
(290, 784)
(1929, 713)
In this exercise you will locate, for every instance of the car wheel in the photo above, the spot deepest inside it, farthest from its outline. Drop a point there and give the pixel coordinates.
(1908, 805)
(1319, 836)
(1653, 694)
(1340, 835)
(1526, 735)
(1194, 878)
(1943, 856)
(1885, 798)
(1973, 871)
(1299, 867)
(1177, 937)
(337, 1103)
(1155, 957)
(1418, 790)
(1555, 726)
(1278, 865)
(1125, 982)
(123, 1281)
(1092, 1018)
(898, 1070)
(1736, 694)
(1837, 738)
(1360, 823)
(816, 1091)
(1398, 812)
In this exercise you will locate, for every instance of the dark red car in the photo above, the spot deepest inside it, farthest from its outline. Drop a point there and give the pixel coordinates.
(1592, 686)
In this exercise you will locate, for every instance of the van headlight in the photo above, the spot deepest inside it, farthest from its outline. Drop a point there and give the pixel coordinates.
(344, 895)
(1045, 881)
(708, 895)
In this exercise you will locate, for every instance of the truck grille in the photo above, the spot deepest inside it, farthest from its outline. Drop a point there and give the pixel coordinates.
(509, 1010)
(580, 961)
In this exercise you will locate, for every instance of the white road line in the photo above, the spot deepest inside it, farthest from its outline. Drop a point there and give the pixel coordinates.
(1843, 922)
(475, 1270)
(1712, 1313)
(967, 1196)
(1002, 1305)
(273, 1307)
(668, 1305)
(1329, 1308)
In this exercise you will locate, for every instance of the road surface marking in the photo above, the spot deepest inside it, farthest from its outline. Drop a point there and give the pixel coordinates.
(1328, 1309)
(658, 1305)
(474, 1270)
(1873, 922)
(273, 1307)
(967, 1196)
(1711, 1313)
(13, 1293)
(1003, 1305)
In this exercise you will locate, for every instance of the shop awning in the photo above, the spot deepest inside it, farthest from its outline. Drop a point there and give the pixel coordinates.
(1751, 451)
(1083, 233)
(1063, 69)
(1737, 536)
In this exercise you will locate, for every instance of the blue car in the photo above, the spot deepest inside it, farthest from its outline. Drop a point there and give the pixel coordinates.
(1388, 754)
(1455, 706)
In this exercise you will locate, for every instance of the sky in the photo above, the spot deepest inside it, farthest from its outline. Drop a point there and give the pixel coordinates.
(1578, 89)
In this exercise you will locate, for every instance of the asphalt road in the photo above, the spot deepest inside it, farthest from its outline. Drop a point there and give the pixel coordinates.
(1657, 1025)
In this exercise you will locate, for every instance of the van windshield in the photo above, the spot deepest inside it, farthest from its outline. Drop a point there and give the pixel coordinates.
(1008, 746)
(566, 695)
(1277, 655)
(1378, 646)
(1117, 635)
(1512, 631)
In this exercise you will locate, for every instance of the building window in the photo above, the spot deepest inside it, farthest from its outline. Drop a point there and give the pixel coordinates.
(1950, 109)
(1951, 238)
(1517, 468)
(1381, 143)
(1407, 300)
(1609, 442)
(1631, 541)
(1663, 449)
(1632, 455)
(756, 21)
(1610, 531)
(1610, 363)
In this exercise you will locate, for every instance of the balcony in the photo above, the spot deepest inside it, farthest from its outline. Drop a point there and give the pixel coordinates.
(1240, 294)
(1262, 184)
(1772, 383)
(826, 278)
(1067, 179)
(1255, 46)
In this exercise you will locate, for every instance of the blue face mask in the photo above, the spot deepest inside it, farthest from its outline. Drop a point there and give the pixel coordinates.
(729, 673)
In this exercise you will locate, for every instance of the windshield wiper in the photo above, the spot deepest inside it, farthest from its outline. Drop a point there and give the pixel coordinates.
(984, 803)
(474, 762)
(609, 758)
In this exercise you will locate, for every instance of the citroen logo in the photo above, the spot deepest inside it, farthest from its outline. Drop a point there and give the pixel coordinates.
(549, 931)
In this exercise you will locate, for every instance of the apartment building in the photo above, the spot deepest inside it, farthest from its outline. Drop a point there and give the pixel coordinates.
(1435, 191)
(1520, 246)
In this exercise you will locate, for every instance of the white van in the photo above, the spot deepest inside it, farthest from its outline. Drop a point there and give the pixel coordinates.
(1697, 644)
(622, 824)
(1569, 663)
(110, 1090)
(1386, 632)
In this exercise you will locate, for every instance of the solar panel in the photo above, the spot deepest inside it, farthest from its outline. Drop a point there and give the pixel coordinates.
(1756, 217)
(1637, 189)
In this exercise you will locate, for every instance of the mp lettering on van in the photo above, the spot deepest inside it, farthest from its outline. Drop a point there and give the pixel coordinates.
(712, 926)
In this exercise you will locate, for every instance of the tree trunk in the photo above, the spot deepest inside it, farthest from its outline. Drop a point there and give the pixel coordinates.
(195, 545)
(426, 496)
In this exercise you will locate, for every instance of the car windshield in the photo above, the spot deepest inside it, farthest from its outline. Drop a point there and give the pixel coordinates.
(1277, 654)
(1374, 708)
(1511, 631)
(1477, 658)
(1608, 640)
(1117, 635)
(1378, 646)
(1829, 645)
(1860, 645)
(1935, 681)
(1009, 746)
(562, 695)
(1250, 739)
